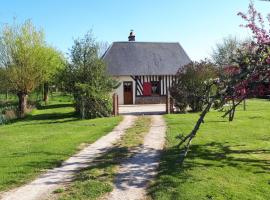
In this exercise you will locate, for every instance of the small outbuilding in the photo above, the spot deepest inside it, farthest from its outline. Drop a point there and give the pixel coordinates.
(146, 70)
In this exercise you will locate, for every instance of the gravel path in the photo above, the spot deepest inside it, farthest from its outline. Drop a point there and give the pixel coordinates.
(48, 182)
(135, 173)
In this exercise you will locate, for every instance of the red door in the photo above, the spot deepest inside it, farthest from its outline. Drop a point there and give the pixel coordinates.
(128, 92)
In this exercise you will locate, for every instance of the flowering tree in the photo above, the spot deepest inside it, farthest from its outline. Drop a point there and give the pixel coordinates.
(256, 24)
(188, 90)
(246, 78)
(224, 52)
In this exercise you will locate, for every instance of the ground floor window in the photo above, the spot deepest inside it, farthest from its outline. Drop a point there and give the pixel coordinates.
(155, 87)
(158, 85)
(151, 88)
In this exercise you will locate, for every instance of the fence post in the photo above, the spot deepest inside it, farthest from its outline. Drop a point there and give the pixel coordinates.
(168, 103)
(171, 105)
(115, 105)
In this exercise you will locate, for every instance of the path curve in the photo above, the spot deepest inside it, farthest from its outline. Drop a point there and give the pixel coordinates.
(134, 174)
(50, 181)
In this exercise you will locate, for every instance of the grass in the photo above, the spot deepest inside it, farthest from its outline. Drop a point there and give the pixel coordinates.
(11, 97)
(55, 97)
(44, 139)
(227, 160)
(97, 180)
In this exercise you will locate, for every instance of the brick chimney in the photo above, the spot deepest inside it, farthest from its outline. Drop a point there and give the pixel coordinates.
(131, 36)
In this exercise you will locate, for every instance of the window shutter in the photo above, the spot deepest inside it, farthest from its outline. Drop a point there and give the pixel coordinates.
(147, 89)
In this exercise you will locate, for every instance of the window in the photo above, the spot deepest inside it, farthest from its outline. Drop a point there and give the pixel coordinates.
(151, 88)
(155, 88)
(127, 86)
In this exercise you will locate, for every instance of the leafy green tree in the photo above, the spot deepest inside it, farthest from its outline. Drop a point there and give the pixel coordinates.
(24, 58)
(102, 48)
(55, 61)
(86, 78)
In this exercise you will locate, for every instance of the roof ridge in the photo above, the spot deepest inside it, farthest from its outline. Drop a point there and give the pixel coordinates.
(146, 42)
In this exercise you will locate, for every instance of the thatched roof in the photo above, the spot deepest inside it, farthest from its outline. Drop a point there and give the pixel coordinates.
(145, 58)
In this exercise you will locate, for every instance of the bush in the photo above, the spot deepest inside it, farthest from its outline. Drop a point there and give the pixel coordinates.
(86, 78)
(189, 88)
(91, 102)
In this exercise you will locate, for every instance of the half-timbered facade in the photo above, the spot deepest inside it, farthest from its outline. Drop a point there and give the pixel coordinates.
(145, 70)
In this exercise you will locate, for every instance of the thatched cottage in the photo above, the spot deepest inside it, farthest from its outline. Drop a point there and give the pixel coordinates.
(145, 69)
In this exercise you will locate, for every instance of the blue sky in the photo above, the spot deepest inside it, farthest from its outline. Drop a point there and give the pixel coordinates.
(197, 24)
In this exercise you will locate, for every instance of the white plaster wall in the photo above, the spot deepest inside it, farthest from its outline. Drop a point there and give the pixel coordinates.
(120, 89)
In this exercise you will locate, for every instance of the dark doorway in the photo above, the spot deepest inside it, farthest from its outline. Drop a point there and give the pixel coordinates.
(128, 92)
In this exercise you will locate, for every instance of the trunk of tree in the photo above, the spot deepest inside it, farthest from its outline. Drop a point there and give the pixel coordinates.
(231, 115)
(22, 103)
(46, 92)
(82, 108)
(231, 111)
(193, 133)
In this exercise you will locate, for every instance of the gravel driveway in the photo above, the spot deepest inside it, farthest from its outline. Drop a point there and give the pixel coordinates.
(135, 174)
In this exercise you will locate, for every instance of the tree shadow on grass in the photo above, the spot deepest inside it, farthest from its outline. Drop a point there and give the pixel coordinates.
(97, 176)
(50, 116)
(55, 117)
(223, 155)
(136, 168)
(210, 155)
(227, 155)
(218, 121)
(53, 106)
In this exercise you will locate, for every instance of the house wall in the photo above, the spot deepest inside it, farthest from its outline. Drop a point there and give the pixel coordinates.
(150, 100)
(120, 89)
(166, 82)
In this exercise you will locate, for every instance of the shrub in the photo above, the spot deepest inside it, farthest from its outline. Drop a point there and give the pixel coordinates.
(7, 113)
(189, 88)
(86, 78)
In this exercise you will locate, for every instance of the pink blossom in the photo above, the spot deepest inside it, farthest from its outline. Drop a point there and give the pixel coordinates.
(268, 60)
(255, 23)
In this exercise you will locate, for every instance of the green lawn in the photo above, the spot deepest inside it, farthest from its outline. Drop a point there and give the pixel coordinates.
(44, 139)
(228, 160)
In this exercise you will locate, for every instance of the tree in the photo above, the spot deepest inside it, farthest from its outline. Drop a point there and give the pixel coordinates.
(102, 48)
(86, 78)
(223, 54)
(23, 56)
(253, 65)
(54, 63)
(255, 23)
(189, 87)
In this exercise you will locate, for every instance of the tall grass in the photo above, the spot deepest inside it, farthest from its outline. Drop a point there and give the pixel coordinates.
(4, 118)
